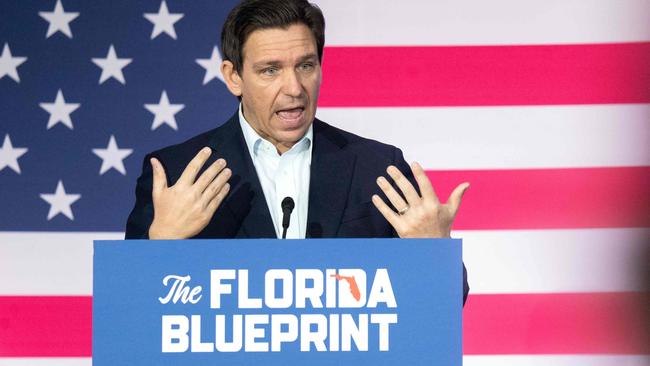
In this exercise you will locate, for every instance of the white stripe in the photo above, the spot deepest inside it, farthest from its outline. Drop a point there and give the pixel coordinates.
(556, 261)
(518, 261)
(495, 22)
(500, 360)
(507, 137)
(556, 360)
(48, 263)
(46, 361)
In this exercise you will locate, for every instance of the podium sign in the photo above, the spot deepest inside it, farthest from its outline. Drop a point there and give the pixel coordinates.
(278, 302)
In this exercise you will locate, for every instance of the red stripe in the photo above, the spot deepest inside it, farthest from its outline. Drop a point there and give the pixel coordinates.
(588, 323)
(550, 198)
(45, 326)
(486, 75)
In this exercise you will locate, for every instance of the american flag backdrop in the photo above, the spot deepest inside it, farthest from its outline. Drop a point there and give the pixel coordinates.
(544, 106)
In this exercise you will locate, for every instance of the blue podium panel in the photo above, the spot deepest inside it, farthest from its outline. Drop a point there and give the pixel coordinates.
(278, 302)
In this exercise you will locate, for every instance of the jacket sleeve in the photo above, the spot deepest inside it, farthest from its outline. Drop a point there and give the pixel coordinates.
(137, 225)
(405, 168)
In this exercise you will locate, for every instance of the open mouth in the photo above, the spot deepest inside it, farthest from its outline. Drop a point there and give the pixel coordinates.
(291, 116)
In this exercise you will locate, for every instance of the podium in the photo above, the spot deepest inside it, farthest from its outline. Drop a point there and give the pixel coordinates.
(278, 302)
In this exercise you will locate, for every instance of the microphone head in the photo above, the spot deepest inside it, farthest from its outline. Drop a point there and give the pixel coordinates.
(288, 204)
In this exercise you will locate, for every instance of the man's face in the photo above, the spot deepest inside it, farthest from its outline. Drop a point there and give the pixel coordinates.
(280, 81)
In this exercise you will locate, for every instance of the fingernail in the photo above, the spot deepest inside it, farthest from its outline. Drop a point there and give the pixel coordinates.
(227, 171)
(221, 162)
(391, 169)
(206, 150)
(381, 180)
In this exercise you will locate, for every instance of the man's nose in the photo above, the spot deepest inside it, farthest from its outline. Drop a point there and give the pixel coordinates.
(292, 85)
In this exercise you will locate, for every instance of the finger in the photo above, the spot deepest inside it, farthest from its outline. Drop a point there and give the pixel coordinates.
(395, 199)
(216, 201)
(192, 169)
(456, 197)
(411, 195)
(215, 186)
(426, 189)
(208, 175)
(159, 177)
(386, 211)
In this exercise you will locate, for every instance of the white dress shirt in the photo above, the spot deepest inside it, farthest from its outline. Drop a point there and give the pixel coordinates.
(281, 176)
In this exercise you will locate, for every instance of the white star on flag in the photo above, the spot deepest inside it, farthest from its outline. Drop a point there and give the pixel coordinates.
(59, 20)
(164, 112)
(60, 202)
(59, 111)
(163, 21)
(9, 64)
(9, 155)
(212, 66)
(112, 66)
(112, 157)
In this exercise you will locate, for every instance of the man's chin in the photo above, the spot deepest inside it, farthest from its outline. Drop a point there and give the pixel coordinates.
(289, 138)
(293, 136)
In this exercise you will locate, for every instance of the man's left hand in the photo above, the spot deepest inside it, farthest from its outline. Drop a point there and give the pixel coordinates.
(419, 216)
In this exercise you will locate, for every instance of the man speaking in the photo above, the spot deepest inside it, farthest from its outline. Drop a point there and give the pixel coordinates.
(274, 170)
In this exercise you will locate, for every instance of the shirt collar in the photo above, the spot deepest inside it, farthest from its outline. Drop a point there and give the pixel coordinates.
(254, 141)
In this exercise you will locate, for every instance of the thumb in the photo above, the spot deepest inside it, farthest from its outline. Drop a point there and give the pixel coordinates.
(159, 178)
(456, 197)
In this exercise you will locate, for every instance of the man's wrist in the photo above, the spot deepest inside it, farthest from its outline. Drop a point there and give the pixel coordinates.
(155, 233)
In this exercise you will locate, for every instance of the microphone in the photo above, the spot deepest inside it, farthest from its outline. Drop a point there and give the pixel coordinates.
(287, 207)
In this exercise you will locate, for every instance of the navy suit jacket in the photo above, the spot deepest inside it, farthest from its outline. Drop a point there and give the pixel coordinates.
(344, 169)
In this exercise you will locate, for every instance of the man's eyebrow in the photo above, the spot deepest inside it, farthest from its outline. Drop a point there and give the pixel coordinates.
(308, 57)
(261, 64)
(265, 63)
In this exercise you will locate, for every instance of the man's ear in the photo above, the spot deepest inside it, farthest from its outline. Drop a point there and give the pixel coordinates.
(232, 78)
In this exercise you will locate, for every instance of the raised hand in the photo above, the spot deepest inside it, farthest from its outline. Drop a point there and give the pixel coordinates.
(184, 209)
(419, 216)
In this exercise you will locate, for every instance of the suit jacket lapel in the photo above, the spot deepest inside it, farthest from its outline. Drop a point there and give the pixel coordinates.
(331, 176)
(246, 198)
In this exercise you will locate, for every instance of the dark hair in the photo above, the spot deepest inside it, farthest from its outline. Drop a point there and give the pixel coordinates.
(251, 15)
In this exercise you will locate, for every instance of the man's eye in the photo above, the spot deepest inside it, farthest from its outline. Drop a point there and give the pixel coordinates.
(270, 71)
(307, 66)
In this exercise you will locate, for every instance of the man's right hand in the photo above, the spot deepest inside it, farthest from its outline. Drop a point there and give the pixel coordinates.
(184, 209)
